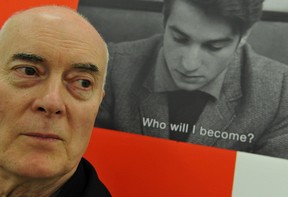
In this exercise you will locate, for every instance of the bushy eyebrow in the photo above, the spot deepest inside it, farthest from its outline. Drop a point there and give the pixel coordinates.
(38, 59)
(28, 57)
(86, 67)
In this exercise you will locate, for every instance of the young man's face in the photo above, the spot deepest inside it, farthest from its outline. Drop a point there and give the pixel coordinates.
(197, 47)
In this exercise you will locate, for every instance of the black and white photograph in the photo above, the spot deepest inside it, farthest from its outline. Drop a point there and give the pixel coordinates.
(207, 72)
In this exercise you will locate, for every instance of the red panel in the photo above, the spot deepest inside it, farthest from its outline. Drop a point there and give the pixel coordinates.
(8, 7)
(135, 165)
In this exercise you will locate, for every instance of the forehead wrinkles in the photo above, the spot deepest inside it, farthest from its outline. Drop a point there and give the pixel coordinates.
(65, 23)
(62, 38)
(53, 31)
(58, 28)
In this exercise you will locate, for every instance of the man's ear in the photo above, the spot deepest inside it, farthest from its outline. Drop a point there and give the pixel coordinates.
(244, 38)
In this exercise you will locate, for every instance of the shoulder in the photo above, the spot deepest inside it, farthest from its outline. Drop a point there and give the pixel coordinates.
(84, 182)
(94, 185)
(130, 58)
(135, 47)
(263, 65)
(263, 77)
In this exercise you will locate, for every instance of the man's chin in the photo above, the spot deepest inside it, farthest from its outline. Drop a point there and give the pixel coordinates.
(39, 172)
(188, 87)
(41, 168)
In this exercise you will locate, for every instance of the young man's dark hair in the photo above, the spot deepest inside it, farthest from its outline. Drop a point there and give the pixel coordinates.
(241, 14)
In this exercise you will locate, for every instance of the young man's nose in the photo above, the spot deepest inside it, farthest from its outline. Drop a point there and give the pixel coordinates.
(50, 100)
(191, 59)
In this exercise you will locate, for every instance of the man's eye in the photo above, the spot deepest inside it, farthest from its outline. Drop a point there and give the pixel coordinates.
(180, 39)
(30, 71)
(215, 47)
(84, 83)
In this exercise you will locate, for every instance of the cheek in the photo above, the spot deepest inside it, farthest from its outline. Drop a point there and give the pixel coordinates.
(216, 64)
(169, 47)
(81, 136)
(8, 126)
(81, 126)
(172, 56)
(84, 115)
(10, 105)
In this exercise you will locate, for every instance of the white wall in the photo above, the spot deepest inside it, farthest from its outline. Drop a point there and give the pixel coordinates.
(271, 5)
(276, 5)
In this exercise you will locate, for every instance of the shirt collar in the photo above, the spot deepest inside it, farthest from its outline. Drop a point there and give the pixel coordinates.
(163, 81)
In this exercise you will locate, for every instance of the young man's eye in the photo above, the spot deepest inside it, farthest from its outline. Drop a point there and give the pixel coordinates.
(180, 39)
(214, 47)
(177, 37)
(217, 46)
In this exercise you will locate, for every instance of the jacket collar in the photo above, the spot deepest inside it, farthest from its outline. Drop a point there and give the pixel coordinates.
(216, 115)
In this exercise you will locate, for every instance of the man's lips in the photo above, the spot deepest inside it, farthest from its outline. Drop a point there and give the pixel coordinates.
(44, 136)
(188, 76)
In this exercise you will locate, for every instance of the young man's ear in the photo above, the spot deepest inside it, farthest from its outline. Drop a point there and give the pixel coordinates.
(244, 38)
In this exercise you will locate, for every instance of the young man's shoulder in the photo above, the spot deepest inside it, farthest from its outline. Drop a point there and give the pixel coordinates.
(262, 75)
(137, 46)
(263, 64)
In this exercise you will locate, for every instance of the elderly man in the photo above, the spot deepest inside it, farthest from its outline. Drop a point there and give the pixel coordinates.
(200, 82)
(53, 65)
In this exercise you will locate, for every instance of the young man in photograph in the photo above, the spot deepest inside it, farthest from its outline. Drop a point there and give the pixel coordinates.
(200, 82)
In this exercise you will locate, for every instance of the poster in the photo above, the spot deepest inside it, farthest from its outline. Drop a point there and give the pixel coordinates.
(247, 111)
(137, 165)
(165, 170)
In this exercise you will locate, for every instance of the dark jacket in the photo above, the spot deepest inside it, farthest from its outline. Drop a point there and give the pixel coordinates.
(84, 183)
(251, 114)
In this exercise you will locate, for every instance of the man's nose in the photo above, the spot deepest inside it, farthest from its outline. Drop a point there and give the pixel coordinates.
(191, 58)
(49, 100)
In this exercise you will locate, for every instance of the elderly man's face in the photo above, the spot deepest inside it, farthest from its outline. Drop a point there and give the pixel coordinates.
(51, 80)
(197, 47)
